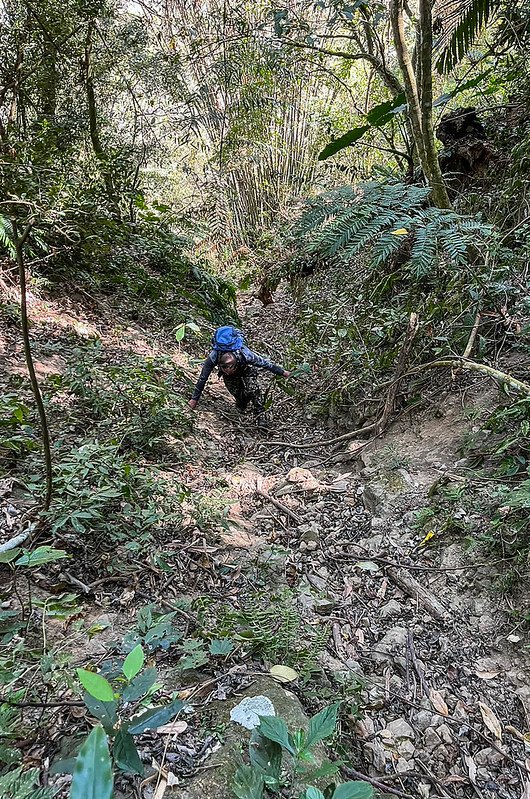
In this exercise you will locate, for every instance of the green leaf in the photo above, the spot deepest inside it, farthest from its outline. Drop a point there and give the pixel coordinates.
(11, 554)
(66, 766)
(381, 114)
(40, 556)
(469, 84)
(275, 729)
(343, 141)
(96, 685)
(378, 116)
(125, 753)
(93, 773)
(327, 769)
(353, 790)
(314, 793)
(180, 332)
(248, 783)
(140, 685)
(103, 711)
(133, 662)
(322, 725)
(266, 756)
(9, 754)
(223, 646)
(155, 717)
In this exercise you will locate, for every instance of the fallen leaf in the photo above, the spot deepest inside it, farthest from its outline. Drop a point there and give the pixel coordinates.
(284, 673)
(514, 731)
(438, 702)
(514, 639)
(453, 779)
(526, 793)
(367, 566)
(471, 768)
(161, 788)
(490, 720)
(487, 675)
(427, 538)
(299, 475)
(355, 446)
(401, 231)
(174, 728)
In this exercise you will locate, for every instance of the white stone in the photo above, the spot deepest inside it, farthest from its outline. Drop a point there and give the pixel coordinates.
(247, 712)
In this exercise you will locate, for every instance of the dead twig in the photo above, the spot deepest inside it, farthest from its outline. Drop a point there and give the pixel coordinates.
(381, 786)
(398, 373)
(414, 660)
(284, 509)
(5, 701)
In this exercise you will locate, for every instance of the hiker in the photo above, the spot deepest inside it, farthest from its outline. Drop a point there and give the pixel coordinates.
(238, 366)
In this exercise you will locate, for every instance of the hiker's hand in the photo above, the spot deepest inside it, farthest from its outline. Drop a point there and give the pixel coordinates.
(286, 374)
(193, 404)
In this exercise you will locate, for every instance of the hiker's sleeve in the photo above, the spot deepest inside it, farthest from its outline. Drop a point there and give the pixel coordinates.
(253, 359)
(206, 371)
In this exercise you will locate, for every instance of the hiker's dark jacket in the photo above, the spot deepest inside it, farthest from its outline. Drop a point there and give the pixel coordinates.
(245, 357)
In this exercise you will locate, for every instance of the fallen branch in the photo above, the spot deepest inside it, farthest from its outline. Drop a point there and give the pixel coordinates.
(15, 541)
(284, 509)
(472, 336)
(380, 786)
(354, 433)
(413, 588)
(464, 363)
(4, 700)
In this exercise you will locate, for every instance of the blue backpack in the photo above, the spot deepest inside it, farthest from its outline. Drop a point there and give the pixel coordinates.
(227, 339)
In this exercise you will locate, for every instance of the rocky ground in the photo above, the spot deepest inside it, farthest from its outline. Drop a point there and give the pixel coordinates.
(401, 624)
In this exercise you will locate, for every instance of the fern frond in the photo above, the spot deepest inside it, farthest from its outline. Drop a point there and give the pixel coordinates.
(463, 20)
(6, 236)
(19, 784)
(385, 246)
(424, 251)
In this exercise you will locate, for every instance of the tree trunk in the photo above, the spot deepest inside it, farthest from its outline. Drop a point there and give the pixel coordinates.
(439, 190)
(19, 246)
(419, 93)
(93, 120)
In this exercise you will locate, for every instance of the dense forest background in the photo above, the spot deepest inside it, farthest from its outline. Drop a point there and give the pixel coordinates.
(169, 166)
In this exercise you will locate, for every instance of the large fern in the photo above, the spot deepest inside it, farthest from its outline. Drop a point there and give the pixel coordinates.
(376, 218)
(6, 236)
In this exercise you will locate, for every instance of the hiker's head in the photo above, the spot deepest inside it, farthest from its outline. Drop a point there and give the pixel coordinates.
(228, 363)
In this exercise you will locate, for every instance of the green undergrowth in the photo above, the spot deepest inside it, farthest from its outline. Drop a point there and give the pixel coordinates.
(488, 507)
(116, 418)
(364, 263)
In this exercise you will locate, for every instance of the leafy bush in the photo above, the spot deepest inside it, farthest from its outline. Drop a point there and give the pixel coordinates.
(20, 784)
(94, 483)
(271, 742)
(134, 401)
(115, 697)
(16, 433)
(370, 257)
